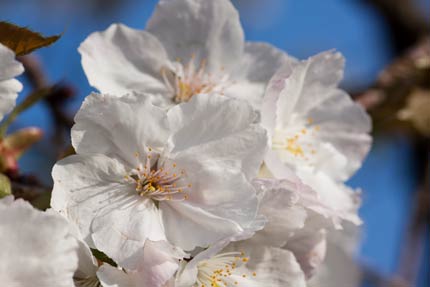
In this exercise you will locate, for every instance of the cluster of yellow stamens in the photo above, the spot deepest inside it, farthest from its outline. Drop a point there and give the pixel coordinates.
(294, 143)
(215, 271)
(158, 182)
(188, 80)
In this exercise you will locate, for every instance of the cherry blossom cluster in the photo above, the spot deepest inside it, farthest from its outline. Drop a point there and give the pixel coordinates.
(202, 161)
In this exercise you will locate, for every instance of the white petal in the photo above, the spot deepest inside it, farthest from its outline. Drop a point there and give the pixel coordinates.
(88, 186)
(122, 59)
(272, 266)
(260, 62)
(9, 87)
(308, 84)
(340, 199)
(309, 247)
(119, 127)
(110, 276)
(160, 262)
(37, 248)
(220, 128)
(188, 226)
(272, 95)
(276, 267)
(10, 67)
(345, 125)
(251, 92)
(207, 30)
(87, 263)
(340, 269)
(279, 203)
(220, 189)
(122, 233)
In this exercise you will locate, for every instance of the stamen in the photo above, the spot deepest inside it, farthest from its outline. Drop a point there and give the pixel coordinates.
(188, 80)
(215, 271)
(299, 144)
(153, 181)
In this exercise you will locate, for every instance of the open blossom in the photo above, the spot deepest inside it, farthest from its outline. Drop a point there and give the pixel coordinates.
(229, 265)
(316, 131)
(189, 47)
(9, 87)
(37, 248)
(314, 125)
(141, 173)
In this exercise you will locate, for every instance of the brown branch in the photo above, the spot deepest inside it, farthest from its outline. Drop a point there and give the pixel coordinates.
(405, 22)
(390, 92)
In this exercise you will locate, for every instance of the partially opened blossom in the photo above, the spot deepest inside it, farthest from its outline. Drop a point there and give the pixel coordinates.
(9, 87)
(37, 247)
(141, 173)
(340, 268)
(189, 47)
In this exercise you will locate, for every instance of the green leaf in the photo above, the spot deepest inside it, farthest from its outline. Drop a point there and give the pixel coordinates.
(103, 257)
(33, 98)
(22, 40)
(5, 186)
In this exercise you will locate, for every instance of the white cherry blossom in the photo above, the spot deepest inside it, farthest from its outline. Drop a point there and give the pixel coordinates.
(189, 47)
(141, 173)
(37, 247)
(316, 131)
(314, 126)
(230, 266)
(9, 87)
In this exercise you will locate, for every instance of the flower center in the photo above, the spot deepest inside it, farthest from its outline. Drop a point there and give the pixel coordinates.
(191, 79)
(215, 272)
(158, 181)
(299, 143)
